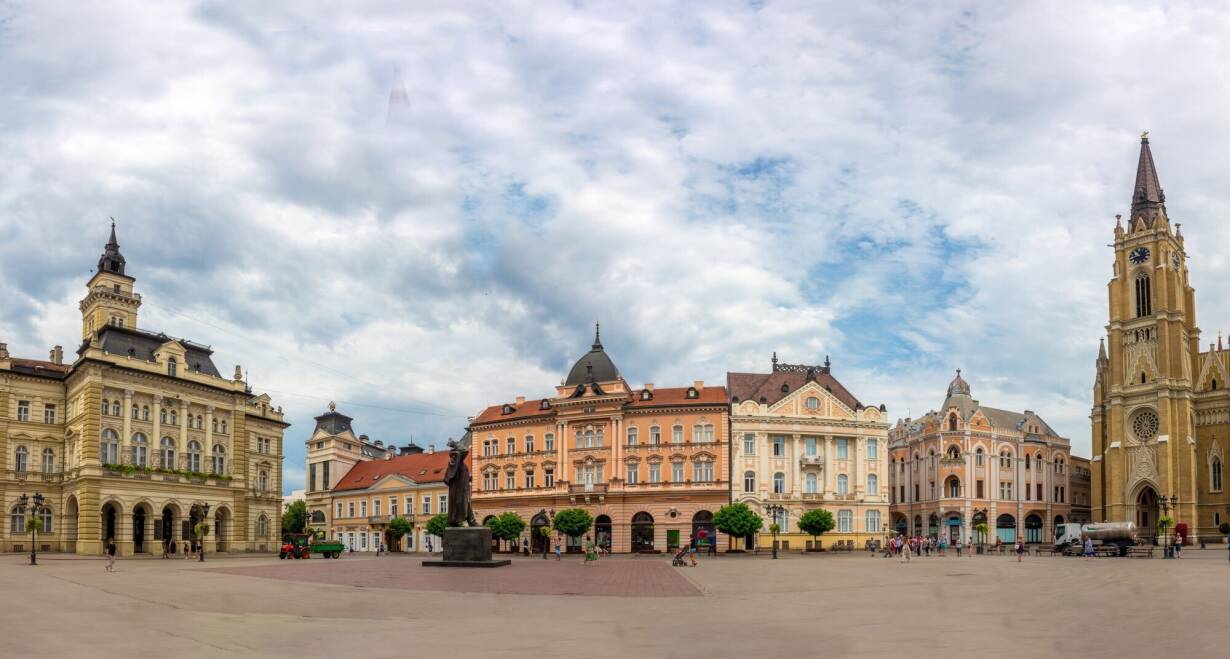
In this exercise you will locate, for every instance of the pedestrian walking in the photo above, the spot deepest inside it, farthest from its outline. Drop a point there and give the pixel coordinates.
(1178, 546)
(970, 549)
(428, 545)
(557, 554)
(1088, 552)
(591, 552)
(110, 552)
(1020, 550)
(187, 550)
(525, 546)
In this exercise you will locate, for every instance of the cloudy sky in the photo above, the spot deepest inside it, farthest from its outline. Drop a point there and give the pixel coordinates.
(907, 189)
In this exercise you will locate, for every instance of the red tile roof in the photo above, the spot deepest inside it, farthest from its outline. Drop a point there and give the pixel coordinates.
(420, 468)
(529, 408)
(39, 367)
(754, 386)
(679, 396)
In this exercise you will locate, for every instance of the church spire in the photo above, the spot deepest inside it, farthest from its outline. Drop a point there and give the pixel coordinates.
(1148, 199)
(597, 336)
(111, 259)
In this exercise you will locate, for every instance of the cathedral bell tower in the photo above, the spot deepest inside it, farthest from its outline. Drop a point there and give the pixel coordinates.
(1142, 417)
(110, 299)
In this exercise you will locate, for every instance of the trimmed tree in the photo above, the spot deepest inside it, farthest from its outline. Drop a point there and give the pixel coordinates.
(398, 527)
(1224, 528)
(737, 521)
(437, 524)
(506, 526)
(816, 522)
(982, 530)
(294, 520)
(573, 522)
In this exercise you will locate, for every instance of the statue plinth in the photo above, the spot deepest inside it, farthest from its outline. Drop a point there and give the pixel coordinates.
(467, 546)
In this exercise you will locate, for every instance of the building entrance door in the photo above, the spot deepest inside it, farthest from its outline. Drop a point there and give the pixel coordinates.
(138, 530)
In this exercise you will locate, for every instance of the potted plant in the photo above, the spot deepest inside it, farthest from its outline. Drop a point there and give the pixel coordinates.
(981, 529)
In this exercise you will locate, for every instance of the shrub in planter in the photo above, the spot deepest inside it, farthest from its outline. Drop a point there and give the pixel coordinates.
(1224, 528)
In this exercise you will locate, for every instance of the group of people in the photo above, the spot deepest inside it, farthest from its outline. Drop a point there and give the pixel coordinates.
(170, 549)
(919, 546)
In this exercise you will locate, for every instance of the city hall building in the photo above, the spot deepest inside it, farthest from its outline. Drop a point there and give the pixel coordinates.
(138, 439)
(650, 464)
(968, 464)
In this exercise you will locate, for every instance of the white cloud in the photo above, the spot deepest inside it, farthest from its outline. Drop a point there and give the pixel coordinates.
(910, 189)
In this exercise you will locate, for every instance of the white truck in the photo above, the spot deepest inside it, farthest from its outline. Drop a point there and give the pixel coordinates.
(1119, 534)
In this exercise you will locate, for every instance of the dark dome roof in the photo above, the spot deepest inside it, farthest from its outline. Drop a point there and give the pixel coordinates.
(958, 386)
(593, 366)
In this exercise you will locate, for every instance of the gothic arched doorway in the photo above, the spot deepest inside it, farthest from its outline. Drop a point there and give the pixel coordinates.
(1147, 512)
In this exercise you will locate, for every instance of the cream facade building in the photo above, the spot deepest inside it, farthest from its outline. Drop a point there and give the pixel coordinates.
(136, 438)
(802, 441)
(356, 486)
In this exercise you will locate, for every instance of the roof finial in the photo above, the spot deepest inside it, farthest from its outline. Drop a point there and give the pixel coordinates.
(597, 336)
(1144, 136)
(332, 406)
(775, 358)
(826, 361)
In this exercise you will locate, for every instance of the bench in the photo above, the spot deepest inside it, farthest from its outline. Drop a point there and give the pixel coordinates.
(1140, 552)
(1048, 551)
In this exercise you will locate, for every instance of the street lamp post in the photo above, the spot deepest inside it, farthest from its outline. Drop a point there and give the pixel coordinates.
(205, 521)
(1167, 504)
(36, 508)
(774, 510)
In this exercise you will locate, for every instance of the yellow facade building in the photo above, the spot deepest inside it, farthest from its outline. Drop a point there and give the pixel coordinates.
(1161, 409)
(138, 439)
(356, 486)
(802, 441)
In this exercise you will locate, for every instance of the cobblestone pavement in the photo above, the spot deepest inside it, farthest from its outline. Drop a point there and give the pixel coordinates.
(748, 606)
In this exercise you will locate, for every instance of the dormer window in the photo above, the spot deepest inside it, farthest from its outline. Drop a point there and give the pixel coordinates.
(646, 395)
(544, 405)
(692, 392)
(172, 367)
(508, 409)
(785, 389)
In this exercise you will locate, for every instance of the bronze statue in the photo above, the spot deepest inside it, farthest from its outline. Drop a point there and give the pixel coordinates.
(458, 480)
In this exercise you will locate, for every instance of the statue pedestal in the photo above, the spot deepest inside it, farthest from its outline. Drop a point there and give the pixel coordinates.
(467, 546)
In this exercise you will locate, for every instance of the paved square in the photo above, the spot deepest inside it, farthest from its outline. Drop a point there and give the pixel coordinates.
(850, 605)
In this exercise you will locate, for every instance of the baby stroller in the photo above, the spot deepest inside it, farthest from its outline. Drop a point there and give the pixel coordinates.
(679, 559)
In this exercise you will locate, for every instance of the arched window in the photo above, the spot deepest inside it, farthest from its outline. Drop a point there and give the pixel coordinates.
(45, 514)
(843, 484)
(18, 521)
(677, 434)
(632, 436)
(952, 421)
(263, 480)
(809, 483)
(115, 408)
(978, 456)
(872, 522)
(109, 448)
(655, 435)
(749, 481)
(162, 416)
(49, 461)
(224, 426)
(845, 521)
(954, 487)
(1144, 296)
(873, 449)
(1215, 474)
(145, 412)
(1027, 461)
(194, 456)
(200, 422)
(779, 483)
(172, 367)
(174, 418)
(954, 453)
(166, 453)
(23, 458)
(873, 484)
(213, 425)
(139, 449)
(219, 459)
(262, 526)
(1005, 460)
(136, 411)
(106, 407)
(702, 432)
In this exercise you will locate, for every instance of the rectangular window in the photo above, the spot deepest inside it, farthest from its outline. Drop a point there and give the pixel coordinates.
(49, 413)
(339, 510)
(443, 503)
(749, 443)
(426, 505)
(655, 435)
(510, 480)
(1038, 491)
(325, 482)
(548, 442)
(362, 541)
(632, 474)
(529, 480)
(350, 509)
(809, 447)
(779, 446)
(362, 509)
(845, 521)
(873, 453)
(916, 487)
(312, 477)
(871, 524)
(676, 472)
(529, 443)
(376, 507)
(548, 478)
(843, 449)
(512, 446)
(23, 410)
(655, 473)
(978, 487)
(393, 506)
(677, 435)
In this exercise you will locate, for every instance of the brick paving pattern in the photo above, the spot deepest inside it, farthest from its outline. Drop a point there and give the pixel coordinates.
(611, 577)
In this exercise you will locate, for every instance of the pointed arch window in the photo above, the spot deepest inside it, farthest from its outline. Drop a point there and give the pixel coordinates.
(1215, 474)
(1144, 296)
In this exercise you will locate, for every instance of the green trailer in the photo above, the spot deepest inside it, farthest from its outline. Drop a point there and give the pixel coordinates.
(301, 545)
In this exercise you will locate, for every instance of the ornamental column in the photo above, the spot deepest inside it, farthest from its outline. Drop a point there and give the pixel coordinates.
(796, 470)
(126, 440)
(183, 432)
(156, 440)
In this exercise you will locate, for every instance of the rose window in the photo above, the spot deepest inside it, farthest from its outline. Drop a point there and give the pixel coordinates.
(1144, 426)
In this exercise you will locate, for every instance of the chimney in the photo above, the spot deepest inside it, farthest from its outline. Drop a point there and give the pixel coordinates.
(649, 387)
(411, 449)
(57, 355)
(238, 374)
(363, 438)
(388, 455)
(379, 443)
(431, 448)
(520, 400)
(4, 351)
(699, 385)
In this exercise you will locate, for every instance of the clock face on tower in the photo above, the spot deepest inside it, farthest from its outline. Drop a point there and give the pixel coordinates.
(1140, 255)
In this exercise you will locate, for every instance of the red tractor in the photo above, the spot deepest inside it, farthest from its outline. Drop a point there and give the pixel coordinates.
(297, 545)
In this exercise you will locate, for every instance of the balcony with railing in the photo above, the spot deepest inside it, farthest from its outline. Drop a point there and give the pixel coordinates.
(587, 488)
(811, 461)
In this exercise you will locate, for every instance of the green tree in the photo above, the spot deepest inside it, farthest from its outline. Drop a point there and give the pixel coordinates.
(34, 524)
(506, 526)
(737, 521)
(201, 529)
(816, 522)
(437, 524)
(398, 527)
(573, 522)
(294, 520)
(981, 529)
